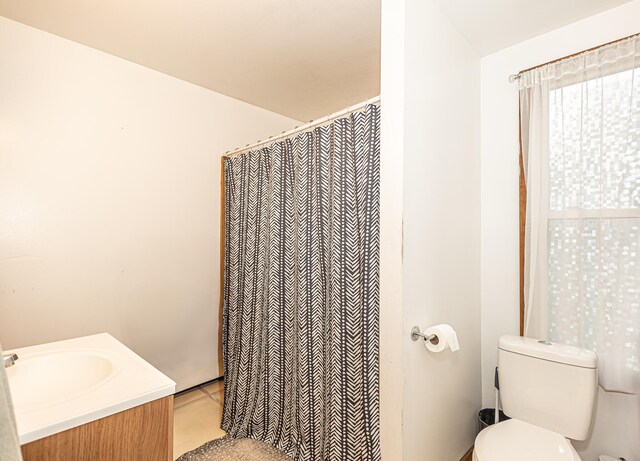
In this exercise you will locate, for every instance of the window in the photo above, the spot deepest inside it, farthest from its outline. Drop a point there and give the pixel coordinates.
(594, 216)
(580, 133)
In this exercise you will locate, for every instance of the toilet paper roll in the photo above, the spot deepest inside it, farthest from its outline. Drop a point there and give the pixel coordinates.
(446, 337)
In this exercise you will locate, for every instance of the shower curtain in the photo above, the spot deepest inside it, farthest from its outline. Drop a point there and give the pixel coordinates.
(301, 292)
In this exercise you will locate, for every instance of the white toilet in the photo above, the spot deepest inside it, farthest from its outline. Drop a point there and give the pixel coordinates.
(549, 391)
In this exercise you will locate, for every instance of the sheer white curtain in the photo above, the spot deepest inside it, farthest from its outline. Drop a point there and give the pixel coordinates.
(580, 129)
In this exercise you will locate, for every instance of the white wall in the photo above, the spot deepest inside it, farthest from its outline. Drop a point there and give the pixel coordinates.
(391, 165)
(109, 201)
(617, 425)
(441, 247)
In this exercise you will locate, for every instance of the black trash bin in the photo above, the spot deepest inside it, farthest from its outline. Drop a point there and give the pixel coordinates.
(486, 417)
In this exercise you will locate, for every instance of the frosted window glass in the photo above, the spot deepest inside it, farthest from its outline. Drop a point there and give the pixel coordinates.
(594, 201)
(594, 141)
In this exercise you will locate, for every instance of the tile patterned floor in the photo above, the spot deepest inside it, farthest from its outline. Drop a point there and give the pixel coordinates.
(196, 417)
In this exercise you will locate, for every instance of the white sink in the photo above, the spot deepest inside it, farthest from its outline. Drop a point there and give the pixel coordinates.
(50, 378)
(65, 384)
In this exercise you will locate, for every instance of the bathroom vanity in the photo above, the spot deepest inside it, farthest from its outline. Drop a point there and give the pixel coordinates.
(91, 399)
(142, 433)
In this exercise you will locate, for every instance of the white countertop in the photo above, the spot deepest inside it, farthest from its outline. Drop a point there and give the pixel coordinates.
(110, 378)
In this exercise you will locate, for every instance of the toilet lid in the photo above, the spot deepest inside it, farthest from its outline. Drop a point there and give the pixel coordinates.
(516, 440)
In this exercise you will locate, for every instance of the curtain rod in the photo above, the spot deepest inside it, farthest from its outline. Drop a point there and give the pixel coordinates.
(298, 129)
(516, 77)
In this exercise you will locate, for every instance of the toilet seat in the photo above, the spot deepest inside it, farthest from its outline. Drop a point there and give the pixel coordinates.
(516, 440)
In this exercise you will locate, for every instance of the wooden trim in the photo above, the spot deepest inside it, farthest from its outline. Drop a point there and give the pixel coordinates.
(522, 223)
(468, 456)
(222, 256)
(142, 433)
(578, 53)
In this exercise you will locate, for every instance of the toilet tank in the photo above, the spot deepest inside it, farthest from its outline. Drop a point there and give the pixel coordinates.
(547, 384)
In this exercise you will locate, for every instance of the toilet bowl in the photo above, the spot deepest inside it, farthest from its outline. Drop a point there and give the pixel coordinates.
(549, 392)
(516, 440)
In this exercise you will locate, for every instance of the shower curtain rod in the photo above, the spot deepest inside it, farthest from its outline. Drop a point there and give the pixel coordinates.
(298, 129)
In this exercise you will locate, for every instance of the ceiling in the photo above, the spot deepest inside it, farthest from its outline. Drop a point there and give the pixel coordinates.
(300, 58)
(491, 25)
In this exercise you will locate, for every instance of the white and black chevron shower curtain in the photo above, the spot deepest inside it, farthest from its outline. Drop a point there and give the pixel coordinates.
(301, 292)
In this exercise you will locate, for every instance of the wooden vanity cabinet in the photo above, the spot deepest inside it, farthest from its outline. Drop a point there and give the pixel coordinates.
(142, 433)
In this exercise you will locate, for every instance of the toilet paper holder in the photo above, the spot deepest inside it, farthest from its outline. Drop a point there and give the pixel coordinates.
(416, 333)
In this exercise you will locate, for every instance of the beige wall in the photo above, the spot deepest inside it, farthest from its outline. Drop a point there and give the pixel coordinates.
(441, 232)
(617, 425)
(109, 201)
